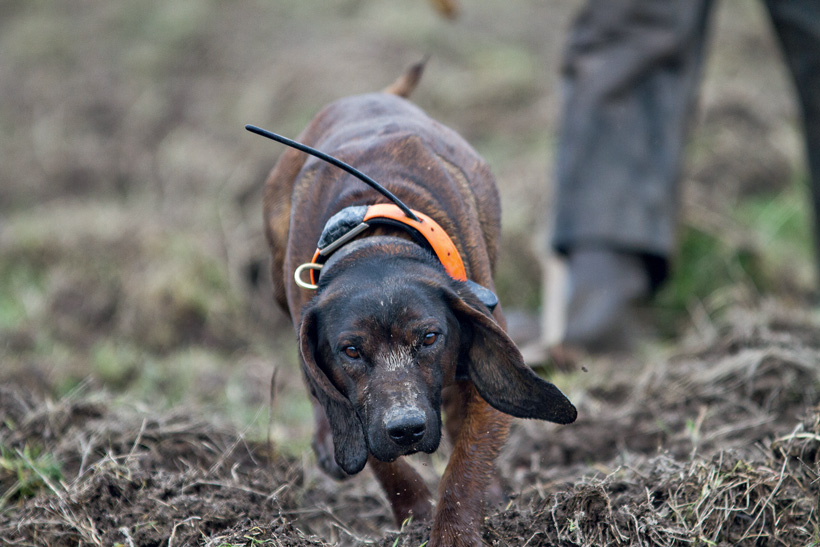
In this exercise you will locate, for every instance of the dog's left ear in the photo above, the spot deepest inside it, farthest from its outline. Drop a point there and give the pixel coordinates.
(497, 369)
(349, 445)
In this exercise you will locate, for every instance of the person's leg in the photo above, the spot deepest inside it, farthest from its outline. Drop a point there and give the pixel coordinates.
(630, 74)
(797, 23)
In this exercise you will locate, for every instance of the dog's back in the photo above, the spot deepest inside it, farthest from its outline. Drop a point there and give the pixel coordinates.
(427, 165)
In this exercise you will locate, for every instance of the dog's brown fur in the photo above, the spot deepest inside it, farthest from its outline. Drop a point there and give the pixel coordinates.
(434, 171)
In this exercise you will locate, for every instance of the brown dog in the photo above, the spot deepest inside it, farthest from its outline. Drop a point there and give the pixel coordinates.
(393, 331)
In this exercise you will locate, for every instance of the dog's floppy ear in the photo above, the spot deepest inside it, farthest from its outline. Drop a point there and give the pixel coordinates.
(497, 369)
(349, 446)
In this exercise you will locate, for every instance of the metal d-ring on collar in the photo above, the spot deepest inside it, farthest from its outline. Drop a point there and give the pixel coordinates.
(326, 249)
(297, 275)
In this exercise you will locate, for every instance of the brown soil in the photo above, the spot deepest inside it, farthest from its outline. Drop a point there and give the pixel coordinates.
(720, 444)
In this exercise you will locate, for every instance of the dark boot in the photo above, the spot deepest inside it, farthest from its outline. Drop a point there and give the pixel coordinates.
(605, 288)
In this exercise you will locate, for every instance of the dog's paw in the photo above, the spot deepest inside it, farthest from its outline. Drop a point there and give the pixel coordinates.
(323, 448)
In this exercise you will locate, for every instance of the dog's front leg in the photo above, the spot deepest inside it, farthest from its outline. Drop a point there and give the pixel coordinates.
(405, 489)
(462, 491)
(454, 404)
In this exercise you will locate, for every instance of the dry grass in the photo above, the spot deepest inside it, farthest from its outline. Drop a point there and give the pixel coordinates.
(729, 499)
(718, 446)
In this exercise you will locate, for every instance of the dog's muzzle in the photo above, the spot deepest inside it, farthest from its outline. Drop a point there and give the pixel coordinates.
(405, 426)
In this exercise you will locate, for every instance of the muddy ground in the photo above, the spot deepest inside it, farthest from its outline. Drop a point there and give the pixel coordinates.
(138, 340)
(719, 445)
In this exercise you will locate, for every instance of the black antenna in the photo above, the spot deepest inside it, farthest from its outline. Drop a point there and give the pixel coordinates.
(338, 163)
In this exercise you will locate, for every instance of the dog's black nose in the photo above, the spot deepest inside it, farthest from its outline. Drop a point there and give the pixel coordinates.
(406, 428)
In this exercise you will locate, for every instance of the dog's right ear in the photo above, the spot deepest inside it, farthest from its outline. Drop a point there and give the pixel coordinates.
(349, 446)
(497, 369)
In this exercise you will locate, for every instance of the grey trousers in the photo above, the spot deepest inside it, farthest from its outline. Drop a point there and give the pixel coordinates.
(630, 74)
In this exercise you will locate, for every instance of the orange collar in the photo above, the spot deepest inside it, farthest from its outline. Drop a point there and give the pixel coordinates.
(350, 222)
(439, 241)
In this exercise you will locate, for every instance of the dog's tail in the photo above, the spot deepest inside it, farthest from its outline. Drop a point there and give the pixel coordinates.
(447, 8)
(407, 82)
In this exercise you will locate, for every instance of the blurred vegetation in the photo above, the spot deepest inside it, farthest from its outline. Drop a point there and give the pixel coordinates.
(763, 246)
(24, 473)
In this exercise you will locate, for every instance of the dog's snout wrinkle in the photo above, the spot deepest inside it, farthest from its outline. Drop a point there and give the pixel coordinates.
(397, 359)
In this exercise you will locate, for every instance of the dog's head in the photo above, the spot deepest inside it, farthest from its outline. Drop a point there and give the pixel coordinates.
(388, 329)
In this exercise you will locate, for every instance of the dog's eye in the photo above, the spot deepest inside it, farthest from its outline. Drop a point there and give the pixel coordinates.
(430, 339)
(352, 352)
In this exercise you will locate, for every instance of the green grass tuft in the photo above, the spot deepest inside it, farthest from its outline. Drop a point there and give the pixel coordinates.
(765, 247)
(24, 474)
